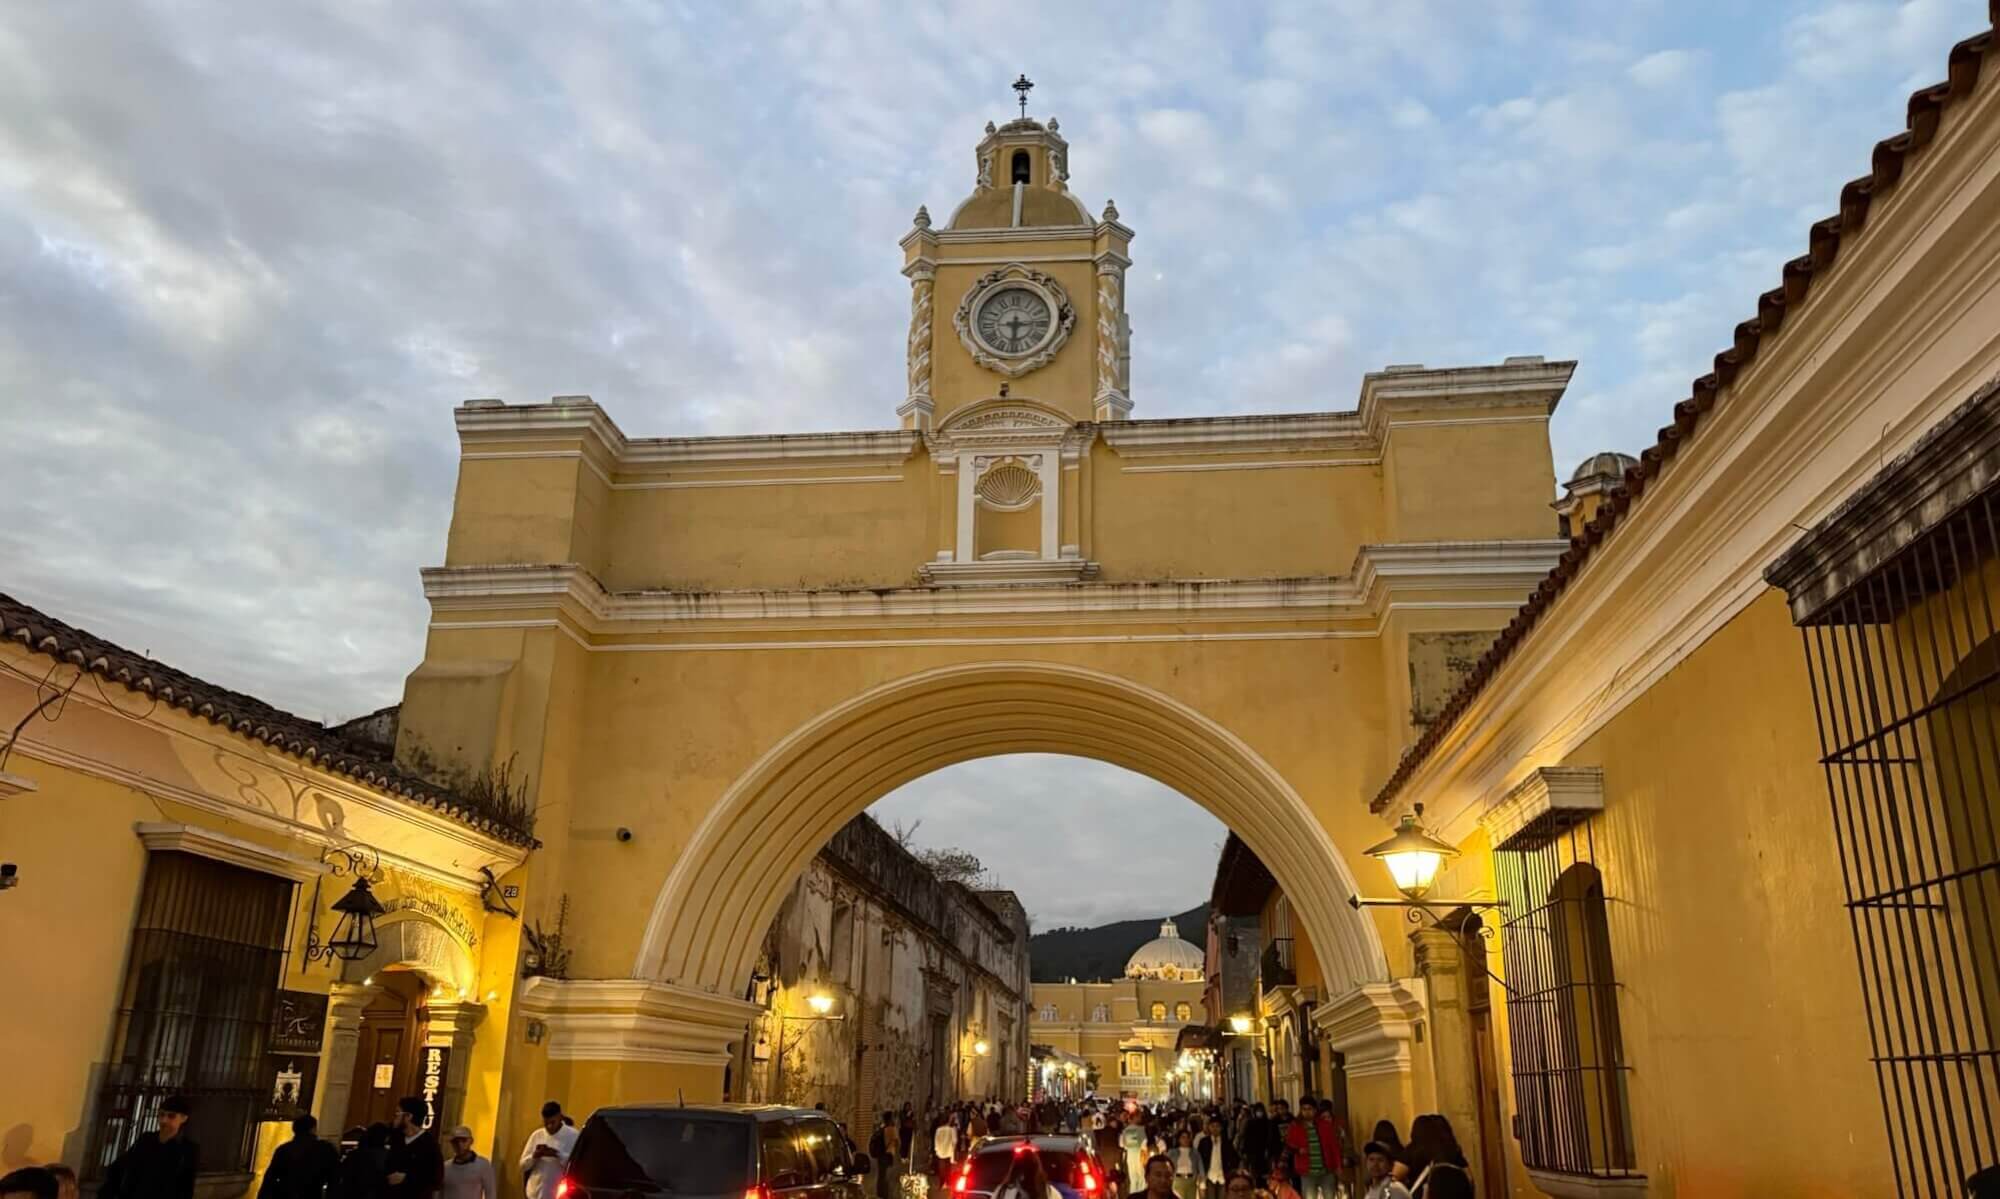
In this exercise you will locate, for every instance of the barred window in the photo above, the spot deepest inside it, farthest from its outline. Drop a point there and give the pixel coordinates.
(1572, 1110)
(200, 983)
(1906, 678)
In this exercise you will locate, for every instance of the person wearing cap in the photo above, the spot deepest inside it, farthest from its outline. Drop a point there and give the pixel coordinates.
(301, 1167)
(546, 1155)
(466, 1174)
(161, 1164)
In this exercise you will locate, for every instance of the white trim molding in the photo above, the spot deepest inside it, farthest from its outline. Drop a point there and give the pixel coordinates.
(633, 1020)
(1378, 573)
(1550, 794)
(1582, 1186)
(1373, 1026)
(159, 837)
(16, 784)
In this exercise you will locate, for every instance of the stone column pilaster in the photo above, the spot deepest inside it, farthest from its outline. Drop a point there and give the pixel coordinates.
(1440, 960)
(1111, 403)
(919, 408)
(344, 1006)
(451, 1027)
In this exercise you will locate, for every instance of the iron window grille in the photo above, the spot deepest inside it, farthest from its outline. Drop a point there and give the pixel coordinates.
(1904, 665)
(194, 1016)
(1571, 1080)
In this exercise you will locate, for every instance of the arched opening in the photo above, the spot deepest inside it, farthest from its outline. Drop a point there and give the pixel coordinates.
(710, 917)
(1023, 171)
(1586, 998)
(709, 925)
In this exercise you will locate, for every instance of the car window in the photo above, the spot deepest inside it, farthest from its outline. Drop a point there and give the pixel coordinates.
(824, 1147)
(779, 1154)
(662, 1151)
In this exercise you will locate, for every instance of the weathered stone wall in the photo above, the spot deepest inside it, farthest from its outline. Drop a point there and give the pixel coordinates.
(922, 974)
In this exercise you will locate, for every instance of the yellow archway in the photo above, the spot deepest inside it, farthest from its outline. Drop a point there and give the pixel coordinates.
(728, 882)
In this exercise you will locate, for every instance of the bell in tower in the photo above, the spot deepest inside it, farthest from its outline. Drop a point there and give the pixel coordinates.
(1022, 288)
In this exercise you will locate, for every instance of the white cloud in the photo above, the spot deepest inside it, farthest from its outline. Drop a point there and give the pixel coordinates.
(250, 257)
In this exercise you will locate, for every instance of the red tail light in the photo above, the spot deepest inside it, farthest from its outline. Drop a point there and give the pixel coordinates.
(760, 1191)
(1089, 1180)
(563, 1187)
(964, 1180)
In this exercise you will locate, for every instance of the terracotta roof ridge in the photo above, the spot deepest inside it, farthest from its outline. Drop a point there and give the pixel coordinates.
(1925, 109)
(243, 714)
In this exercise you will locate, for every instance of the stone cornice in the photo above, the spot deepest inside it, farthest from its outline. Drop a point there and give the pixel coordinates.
(208, 843)
(1948, 467)
(633, 1020)
(1378, 571)
(485, 423)
(1372, 1025)
(1551, 796)
(950, 237)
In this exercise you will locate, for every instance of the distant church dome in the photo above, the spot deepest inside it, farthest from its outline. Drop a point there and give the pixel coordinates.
(1607, 465)
(1166, 956)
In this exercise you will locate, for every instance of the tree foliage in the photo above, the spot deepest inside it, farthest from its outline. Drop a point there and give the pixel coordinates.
(953, 865)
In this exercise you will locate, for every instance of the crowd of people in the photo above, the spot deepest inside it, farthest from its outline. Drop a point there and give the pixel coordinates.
(399, 1159)
(1201, 1153)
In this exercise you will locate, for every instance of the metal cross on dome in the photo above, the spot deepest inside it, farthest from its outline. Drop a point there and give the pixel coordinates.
(1023, 86)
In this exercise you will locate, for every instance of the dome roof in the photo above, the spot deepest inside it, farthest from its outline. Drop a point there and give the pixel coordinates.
(1165, 956)
(1608, 464)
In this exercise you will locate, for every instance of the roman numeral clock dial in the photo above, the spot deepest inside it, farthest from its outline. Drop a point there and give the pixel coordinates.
(1014, 320)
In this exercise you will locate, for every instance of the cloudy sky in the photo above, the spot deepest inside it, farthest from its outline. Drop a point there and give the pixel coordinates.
(251, 255)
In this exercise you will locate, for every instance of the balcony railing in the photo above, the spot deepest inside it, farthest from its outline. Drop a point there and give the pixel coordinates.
(1277, 965)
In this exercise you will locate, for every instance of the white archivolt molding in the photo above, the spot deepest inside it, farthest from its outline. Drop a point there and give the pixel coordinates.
(730, 878)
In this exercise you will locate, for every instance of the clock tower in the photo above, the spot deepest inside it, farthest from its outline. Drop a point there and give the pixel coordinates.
(1022, 292)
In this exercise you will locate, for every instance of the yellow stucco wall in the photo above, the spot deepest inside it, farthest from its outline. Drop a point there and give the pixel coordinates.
(1728, 924)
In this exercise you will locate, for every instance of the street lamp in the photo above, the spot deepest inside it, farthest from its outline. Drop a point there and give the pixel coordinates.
(821, 1003)
(1413, 856)
(981, 1048)
(1240, 1025)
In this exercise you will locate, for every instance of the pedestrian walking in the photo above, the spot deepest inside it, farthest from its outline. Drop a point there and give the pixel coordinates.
(161, 1164)
(301, 1168)
(944, 1145)
(466, 1174)
(1315, 1149)
(1187, 1167)
(1382, 1182)
(416, 1160)
(1218, 1159)
(1437, 1165)
(1132, 1138)
(1279, 1184)
(885, 1149)
(29, 1182)
(546, 1155)
(1159, 1175)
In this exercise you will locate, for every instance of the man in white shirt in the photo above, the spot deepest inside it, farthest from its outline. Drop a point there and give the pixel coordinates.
(466, 1174)
(944, 1146)
(546, 1155)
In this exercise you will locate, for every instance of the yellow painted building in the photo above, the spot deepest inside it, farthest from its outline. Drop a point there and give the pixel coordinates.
(1733, 769)
(176, 850)
(732, 645)
(1126, 1028)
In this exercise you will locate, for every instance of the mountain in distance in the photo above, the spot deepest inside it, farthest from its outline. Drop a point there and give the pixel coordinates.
(1093, 954)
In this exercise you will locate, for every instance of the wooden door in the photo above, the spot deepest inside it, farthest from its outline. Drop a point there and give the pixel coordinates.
(385, 1061)
(1485, 1063)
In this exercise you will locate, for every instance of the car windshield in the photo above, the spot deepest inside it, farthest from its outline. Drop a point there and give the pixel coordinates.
(685, 1154)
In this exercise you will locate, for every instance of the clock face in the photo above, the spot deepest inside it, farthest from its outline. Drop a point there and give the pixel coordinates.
(1013, 320)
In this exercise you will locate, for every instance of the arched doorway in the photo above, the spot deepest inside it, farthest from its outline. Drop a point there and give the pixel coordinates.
(726, 885)
(393, 1027)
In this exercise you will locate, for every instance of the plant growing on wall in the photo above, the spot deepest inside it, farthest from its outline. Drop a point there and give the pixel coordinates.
(547, 956)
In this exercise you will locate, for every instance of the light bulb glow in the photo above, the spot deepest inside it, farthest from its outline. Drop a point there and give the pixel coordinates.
(1239, 1025)
(820, 1004)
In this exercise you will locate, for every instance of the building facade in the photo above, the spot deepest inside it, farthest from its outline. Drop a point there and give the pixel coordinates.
(1730, 773)
(925, 984)
(173, 853)
(1126, 1030)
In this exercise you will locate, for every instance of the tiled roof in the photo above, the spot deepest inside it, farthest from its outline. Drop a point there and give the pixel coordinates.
(1823, 242)
(241, 714)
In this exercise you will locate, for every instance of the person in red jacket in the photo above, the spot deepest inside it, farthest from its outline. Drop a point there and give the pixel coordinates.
(1318, 1148)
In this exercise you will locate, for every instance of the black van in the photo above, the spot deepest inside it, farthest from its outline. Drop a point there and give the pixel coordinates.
(719, 1150)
